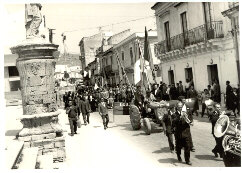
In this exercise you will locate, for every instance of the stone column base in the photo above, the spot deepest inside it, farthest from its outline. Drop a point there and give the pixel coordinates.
(43, 131)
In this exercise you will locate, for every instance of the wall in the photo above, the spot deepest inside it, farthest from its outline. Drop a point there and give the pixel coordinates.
(226, 65)
(195, 17)
(6, 80)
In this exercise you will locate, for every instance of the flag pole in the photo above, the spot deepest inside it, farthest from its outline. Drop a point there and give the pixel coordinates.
(123, 71)
(143, 65)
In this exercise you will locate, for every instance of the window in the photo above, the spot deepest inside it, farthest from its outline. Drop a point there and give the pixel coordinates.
(103, 62)
(184, 22)
(123, 56)
(184, 28)
(207, 13)
(13, 71)
(131, 55)
(111, 60)
(167, 32)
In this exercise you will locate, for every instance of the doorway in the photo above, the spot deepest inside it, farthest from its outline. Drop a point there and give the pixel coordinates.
(212, 73)
(188, 73)
(171, 77)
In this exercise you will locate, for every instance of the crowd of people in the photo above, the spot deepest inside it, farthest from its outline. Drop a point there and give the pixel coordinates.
(176, 122)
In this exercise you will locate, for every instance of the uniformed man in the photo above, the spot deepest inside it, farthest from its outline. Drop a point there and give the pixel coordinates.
(185, 107)
(214, 116)
(182, 122)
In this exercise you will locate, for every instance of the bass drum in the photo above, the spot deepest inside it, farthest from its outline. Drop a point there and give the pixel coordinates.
(191, 103)
(135, 117)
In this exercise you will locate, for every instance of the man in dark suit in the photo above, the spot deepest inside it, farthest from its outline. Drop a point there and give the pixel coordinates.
(72, 112)
(103, 111)
(229, 91)
(85, 109)
(168, 127)
(182, 133)
(157, 93)
(214, 116)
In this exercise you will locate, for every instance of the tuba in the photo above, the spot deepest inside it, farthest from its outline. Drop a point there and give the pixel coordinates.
(231, 134)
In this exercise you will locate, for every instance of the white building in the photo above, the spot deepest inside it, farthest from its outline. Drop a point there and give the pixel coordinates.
(11, 75)
(195, 42)
(128, 53)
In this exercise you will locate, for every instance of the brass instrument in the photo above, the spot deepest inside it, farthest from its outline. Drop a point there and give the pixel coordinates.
(184, 115)
(231, 134)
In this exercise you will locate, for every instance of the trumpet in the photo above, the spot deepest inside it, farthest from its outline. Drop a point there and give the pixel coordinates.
(185, 117)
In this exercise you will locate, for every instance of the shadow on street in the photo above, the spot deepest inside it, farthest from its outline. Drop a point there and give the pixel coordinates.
(162, 150)
(206, 157)
(12, 132)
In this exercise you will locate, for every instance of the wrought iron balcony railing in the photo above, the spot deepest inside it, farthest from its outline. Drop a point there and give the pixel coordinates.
(196, 35)
(233, 4)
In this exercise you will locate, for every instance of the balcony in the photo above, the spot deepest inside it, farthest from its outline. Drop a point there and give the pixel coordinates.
(233, 4)
(196, 35)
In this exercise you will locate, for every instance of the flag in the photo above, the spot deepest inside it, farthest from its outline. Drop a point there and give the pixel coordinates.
(148, 58)
(137, 72)
(95, 87)
(85, 73)
(121, 71)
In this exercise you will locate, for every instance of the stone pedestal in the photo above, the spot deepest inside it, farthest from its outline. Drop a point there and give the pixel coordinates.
(36, 66)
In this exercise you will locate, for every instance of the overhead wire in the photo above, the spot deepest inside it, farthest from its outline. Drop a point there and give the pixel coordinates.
(112, 24)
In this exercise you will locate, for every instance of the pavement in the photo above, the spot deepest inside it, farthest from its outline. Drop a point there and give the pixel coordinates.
(120, 145)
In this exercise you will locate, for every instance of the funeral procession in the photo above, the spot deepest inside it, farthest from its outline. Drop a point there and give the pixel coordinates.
(117, 86)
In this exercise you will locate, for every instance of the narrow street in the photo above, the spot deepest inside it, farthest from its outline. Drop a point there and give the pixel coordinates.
(94, 147)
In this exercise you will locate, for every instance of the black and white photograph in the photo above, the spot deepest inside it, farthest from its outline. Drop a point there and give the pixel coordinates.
(122, 85)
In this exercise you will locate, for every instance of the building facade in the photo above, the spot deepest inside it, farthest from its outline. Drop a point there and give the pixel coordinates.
(127, 51)
(105, 60)
(11, 74)
(195, 42)
(89, 45)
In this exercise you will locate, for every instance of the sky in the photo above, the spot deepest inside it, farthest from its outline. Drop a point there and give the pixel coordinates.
(78, 20)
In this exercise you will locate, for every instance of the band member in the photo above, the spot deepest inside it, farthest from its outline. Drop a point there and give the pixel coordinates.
(103, 111)
(214, 116)
(183, 100)
(72, 112)
(182, 133)
(157, 92)
(168, 127)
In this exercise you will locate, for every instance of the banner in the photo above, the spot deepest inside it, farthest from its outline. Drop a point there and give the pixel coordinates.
(137, 72)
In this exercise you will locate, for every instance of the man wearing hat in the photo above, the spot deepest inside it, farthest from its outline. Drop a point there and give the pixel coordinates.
(103, 111)
(214, 116)
(72, 112)
(182, 133)
(85, 109)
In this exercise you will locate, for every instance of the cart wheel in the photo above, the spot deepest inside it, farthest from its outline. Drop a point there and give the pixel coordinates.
(135, 117)
(147, 126)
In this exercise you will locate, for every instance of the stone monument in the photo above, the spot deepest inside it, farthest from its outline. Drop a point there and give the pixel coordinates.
(36, 66)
